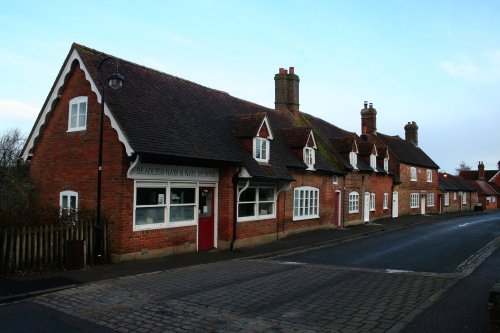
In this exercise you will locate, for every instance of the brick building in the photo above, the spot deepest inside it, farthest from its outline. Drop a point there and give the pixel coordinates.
(415, 175)
(185, 167)
(189, 168)
(487, 184)
(456, 194)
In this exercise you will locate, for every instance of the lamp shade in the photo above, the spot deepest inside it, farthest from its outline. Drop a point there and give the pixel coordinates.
(115, 80)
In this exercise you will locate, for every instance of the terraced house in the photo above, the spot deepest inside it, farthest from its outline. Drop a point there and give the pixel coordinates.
(189, 168)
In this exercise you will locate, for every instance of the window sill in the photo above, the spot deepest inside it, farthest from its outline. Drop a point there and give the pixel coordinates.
(76, 129)
(256, 218)
(146, 227)
(302, 218)
(354, 212)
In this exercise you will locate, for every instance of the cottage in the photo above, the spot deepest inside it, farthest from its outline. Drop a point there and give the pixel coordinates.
(456, 194)
(185, 167)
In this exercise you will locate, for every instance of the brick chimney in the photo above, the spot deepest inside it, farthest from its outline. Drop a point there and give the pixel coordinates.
(498, 165)
(480, 171)
(411, 132)
(368, 119)
(286, 84)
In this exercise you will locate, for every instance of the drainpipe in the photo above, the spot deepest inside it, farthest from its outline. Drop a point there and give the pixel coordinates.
(235, 208)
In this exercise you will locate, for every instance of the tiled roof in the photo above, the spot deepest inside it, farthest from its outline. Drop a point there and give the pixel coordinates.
(296, 137)
(163, 115)
(407, 152)
(474, 174)
(449, 182)
(483, 187)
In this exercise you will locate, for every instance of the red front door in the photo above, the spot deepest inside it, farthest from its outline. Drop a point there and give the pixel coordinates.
(206, 218)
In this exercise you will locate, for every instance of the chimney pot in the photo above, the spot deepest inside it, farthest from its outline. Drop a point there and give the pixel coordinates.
(292, 70)
(370, 105)
(366, 104)
(282, 71)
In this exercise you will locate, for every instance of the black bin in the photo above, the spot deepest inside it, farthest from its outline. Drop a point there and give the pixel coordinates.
(76, 254)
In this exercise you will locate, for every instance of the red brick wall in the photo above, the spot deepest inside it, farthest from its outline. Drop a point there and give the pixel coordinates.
(455, 205)
(408, 186)
(378, 183)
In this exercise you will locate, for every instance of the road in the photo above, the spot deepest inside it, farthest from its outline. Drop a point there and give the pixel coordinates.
(406, 279)
(439, 248)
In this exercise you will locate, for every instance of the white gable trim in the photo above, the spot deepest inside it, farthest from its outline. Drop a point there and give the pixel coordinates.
(375, 149)
(266, 122)
(54, 95)
(311, 135)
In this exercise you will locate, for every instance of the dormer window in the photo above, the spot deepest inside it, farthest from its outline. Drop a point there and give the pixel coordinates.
(77, 117)
(261, 149)
(309, 157)
(373, 162)
(386, 164)
(353, 159)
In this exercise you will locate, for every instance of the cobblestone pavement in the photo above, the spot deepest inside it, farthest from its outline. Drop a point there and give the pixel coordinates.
(254, 295)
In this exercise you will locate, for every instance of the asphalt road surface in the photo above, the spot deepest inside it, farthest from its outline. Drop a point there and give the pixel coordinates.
(430, 247)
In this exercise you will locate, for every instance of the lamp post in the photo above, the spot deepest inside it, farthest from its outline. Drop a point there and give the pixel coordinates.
(115, 81)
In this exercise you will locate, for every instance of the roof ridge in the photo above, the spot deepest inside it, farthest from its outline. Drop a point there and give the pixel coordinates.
(170, 75)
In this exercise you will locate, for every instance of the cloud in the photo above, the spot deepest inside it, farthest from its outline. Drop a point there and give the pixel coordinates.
(16, 114)
(484, 67)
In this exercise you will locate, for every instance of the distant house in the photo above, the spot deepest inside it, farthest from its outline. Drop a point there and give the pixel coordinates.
(487, 184)
(456, 194)
(415, 188)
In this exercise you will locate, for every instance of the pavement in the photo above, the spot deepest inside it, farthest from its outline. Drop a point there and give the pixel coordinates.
(13, 288)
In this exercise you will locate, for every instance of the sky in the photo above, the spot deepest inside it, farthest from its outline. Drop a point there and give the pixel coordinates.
(433, 62)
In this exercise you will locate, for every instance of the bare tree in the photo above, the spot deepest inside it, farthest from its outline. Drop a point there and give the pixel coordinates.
(11, 143)
(462, 167)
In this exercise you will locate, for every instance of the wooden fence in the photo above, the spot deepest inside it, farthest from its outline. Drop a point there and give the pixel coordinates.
(42, 247)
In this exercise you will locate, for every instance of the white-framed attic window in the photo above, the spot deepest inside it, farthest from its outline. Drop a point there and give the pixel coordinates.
(262, 142)
(77, 115)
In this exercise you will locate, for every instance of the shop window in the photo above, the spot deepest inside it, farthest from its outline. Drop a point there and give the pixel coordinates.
(164, 205)
(353, 202)
(256, 203)
(305, 203)
(77, 117)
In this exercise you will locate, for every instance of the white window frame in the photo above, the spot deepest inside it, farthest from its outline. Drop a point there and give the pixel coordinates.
(464, 198)
(353, 202)
(493, 199)
(430, 199)
(429, 175)
(335, 179)
(353, 159)
(386, 164)
(372, 202)
(166, 205)
(256, 202)
(413, 174)
(309, 157)
(447, 199)
(373, 162)
(305, 203)
(414, 200)
(68, 194)
(454, 195)
(258, 150)
(386, 201)
(78, 101)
